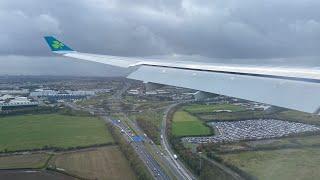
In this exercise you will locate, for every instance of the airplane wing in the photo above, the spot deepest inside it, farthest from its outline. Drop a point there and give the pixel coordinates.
(291, 88)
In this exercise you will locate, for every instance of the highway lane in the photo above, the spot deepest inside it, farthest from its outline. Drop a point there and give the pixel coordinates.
(140, 149)
(158, 153)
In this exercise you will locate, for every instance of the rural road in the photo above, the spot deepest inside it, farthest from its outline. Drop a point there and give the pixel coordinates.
(176, 163)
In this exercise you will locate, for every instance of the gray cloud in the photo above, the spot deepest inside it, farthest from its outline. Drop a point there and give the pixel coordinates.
(215, 29)
(55, 66)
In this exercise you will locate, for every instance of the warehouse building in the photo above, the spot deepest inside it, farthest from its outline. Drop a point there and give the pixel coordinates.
(12, 103)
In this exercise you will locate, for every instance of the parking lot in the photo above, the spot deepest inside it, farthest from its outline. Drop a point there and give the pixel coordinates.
(231, 131)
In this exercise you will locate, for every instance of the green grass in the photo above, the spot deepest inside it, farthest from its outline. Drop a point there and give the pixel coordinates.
(54, 130)
(240, 115)
(24, 161)
(298, 142)
(201, 108)
(283, 164)
(184, 124)
(299, 116)
(182, 116)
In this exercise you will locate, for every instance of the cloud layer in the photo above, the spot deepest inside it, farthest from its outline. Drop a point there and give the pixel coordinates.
(215, 29)
(221, 28)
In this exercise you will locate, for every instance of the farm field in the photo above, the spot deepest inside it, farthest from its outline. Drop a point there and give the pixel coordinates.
(202, 108)
(99, 163)
(26, 132)
(284, 164)
(185, 124)
(33, 175)
(24, 161)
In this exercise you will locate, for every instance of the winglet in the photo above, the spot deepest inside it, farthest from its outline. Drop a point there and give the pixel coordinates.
(57, 46)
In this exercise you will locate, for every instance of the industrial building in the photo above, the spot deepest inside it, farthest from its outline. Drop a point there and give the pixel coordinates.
(8, 102)
(53, 95)
(15, 91)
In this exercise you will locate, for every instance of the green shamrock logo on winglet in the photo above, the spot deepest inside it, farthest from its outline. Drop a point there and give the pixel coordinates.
(57, 45)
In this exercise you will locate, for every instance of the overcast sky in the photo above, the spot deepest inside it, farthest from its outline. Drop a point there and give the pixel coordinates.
(238, 31)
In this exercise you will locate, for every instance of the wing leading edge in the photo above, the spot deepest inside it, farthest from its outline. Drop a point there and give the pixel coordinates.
(285, 87)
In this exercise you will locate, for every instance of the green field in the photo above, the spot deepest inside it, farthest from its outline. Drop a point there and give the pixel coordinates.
(184, 124)
(286, 142)
(52, 130)
(24, 161)
(240, 115)
(299, 116)
(202, 108)
(100, 163)
(285, 164)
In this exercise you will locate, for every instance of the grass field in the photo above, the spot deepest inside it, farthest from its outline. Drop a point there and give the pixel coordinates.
(202, 108)
(285, 142)
(299, 116)
(24, 161)
(240, 115)
(184, 124)
(285, 164)
(34, 175)
(101, 163)
(270, 144)
(36, 131)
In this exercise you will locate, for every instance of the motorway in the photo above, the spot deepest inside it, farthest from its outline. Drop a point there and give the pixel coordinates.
(163, 158)
(152, 165)
(140, 149)
(161, 165)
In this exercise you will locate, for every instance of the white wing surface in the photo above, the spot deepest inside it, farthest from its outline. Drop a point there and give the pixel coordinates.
(291, 88)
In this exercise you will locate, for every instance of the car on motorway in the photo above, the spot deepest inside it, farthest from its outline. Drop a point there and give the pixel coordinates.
(175, 156)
